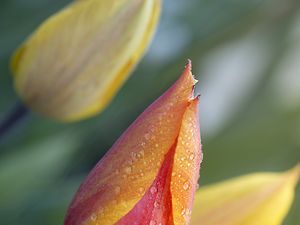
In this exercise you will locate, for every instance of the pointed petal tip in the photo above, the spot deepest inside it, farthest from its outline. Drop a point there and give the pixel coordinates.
(294, 173)
(188, 71)
(189, 64)
(194, 102)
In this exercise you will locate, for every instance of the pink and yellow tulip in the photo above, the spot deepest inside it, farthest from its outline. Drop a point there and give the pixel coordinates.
(150, 174)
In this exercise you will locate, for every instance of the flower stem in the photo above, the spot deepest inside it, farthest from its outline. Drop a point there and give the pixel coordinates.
(18, 113)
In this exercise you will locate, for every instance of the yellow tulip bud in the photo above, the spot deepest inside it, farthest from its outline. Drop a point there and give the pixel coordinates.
(256, 199)
(73, 64)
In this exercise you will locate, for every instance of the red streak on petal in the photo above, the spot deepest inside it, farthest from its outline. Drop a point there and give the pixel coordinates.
(155, 208)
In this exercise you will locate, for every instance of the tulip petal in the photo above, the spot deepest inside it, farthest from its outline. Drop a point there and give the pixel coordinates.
(187, 159)
(169, 200)
(156, 206)
(72, 66)
(119, 184)
(262, 198)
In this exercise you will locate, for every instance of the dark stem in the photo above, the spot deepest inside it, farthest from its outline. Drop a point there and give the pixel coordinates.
(16, 115)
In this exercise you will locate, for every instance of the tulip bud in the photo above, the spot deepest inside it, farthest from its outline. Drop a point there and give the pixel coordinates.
(149, 176)
(75, 62)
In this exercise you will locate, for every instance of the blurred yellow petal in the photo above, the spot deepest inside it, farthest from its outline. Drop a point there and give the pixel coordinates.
(256, 199)
(73, 64)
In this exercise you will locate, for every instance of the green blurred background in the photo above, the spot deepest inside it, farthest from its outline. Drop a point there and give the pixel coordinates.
(246, 56)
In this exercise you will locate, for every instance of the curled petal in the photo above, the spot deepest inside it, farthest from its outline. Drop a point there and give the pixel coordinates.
(73, 64)
(261, 198)
(137, 173)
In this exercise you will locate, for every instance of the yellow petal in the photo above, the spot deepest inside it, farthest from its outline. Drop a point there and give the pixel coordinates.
(185, 171)
(73, 64)
(256, 199)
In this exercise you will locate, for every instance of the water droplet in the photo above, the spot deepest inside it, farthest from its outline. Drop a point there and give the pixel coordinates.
(134, 156)
(128, 170)
(192, 156)
(153, 190)
(101, 211)
(140, 154)
(186, 185)
(93, 217)
(183, 212)
(152, 222)
(188, 212)
(141, 189)
(147, 136)
(156, 205)
(117, 190)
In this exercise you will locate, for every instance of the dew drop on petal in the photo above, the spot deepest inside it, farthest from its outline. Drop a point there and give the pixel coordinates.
(152, 222)
(186, 185)
(117, 190)
(147, 136)
(93, 217)
(153, 190)
(156, 205)
(192, 156)
(141, 189)
(183, 212)
(128, 170)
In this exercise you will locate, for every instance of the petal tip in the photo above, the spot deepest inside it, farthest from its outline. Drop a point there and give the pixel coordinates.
(294, 173)
(188, 71)
(188, 65)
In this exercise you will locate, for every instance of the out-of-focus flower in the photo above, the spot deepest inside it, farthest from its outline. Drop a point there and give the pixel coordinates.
(150, 174)
(256, 199)
(73, 64)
